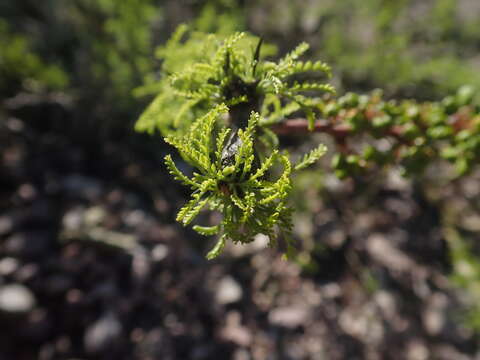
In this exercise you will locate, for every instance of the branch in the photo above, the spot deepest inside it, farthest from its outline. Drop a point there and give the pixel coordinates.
(340, 132)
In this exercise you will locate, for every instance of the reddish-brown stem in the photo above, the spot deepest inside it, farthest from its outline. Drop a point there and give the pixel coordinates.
(299, 126)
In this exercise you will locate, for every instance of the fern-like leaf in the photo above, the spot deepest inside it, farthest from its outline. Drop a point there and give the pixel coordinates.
(217, 249)
(267, 164)
(177, 174)
(311, 157)
(207, 230)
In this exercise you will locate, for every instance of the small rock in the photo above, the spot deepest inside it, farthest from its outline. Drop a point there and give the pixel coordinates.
(239, 335)
(417, 350)
(331, 291)
(228, 291)
(362, 323)
(6, 224)
(27, 192)
(289, 316)
(15, 125)
(141, 264)
(135, 218)
(16, 298)
(239, 250)
(397, 181)
(8, 266)
(335, 238)
(434, 315)
(159, 252)
(241, 354)
(26, 273)
(234, 331)
(73, 219)
(386, 254)
(102, 333)
(387, 304)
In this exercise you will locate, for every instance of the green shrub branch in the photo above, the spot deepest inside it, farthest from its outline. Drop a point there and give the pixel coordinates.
(222, 102)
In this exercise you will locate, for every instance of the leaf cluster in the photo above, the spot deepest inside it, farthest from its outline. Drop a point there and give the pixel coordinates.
(230, 182)
(411, 134)
(202, 70)
(215, 103)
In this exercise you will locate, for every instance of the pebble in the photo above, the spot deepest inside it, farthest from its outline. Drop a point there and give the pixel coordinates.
(228, 291)
(289, 316)
(16, 298)
(159, 252)
(102, 333)
(6, 224)
(8, 266)
(73, 219)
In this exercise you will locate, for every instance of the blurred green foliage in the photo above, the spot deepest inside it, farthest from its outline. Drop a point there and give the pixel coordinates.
(104, 46)
(223, 17)
(118, 46)
(418, 133)
(408, 48)
(421, 49)
(466, 272)
(20, 67)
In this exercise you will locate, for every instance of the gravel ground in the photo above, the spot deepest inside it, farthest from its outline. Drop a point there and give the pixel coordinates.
(92, 266)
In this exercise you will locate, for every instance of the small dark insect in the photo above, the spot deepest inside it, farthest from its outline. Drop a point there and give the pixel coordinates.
(230, 149)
